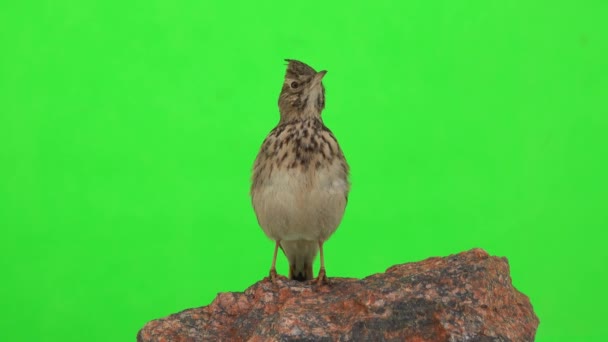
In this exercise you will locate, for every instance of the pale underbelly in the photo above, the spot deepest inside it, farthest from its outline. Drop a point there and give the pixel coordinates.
(291, 207)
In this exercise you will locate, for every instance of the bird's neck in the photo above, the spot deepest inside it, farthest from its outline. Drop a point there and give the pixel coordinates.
(298, 115)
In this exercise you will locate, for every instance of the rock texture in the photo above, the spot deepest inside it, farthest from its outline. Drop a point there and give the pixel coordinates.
(463, 297)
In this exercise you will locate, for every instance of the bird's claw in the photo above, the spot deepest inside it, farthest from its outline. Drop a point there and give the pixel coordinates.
(322, 278)
(273, 275)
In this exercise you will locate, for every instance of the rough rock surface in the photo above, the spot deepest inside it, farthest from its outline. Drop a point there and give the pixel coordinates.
(463, 297)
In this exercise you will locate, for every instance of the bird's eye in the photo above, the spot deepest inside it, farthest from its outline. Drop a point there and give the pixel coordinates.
(294, 84)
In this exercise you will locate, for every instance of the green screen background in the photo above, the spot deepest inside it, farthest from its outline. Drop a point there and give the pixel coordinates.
(128, 131)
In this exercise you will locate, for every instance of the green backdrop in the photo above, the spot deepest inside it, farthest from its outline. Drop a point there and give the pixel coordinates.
(128, 131)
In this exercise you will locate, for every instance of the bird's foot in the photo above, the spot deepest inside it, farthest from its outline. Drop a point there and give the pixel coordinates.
(322, 278)
(273, 275)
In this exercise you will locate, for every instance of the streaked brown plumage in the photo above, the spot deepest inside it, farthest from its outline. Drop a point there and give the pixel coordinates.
(300, 176)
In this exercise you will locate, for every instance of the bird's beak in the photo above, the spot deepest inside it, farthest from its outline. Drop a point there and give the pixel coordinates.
(319, 76)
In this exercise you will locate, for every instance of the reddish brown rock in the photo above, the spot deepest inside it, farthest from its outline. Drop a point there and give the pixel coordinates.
(463, 297)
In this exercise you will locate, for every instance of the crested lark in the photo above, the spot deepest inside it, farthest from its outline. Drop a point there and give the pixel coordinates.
(300, 177)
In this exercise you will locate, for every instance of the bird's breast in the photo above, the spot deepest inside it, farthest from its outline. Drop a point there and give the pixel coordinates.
(300, 182)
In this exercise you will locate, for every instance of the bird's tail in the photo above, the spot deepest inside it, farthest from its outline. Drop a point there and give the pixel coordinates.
(301, 254)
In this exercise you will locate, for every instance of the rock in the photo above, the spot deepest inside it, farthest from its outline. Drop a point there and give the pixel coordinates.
(463, 297)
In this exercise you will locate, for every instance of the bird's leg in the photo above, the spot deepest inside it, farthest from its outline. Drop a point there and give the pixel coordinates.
(273, 269)
(321, 278)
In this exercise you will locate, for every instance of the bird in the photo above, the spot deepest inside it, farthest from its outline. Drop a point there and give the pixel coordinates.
(300, 178)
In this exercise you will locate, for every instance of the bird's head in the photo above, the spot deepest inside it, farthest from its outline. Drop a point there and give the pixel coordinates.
(303, 94)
